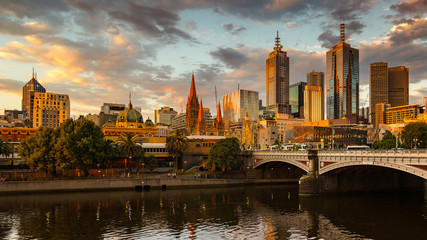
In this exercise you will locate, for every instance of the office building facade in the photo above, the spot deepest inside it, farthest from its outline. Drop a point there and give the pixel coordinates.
(312, 103)
(296, 99)
(317, 79)
(378, 88)
(48, 109)
(164, 115)
(398, 86)
(32, 86)
(237, 103)
(277, 79)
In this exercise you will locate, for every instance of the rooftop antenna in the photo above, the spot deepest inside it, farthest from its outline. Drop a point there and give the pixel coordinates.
(33, 71)
(342, 28)
(277, 40)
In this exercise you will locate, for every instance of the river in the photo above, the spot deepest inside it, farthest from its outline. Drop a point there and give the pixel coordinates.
(253, 212)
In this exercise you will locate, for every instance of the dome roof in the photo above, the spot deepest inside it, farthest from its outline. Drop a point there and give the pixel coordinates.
(130, 115)
(149, 123)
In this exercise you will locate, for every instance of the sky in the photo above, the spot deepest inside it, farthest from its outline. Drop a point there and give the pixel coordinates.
(100, 51)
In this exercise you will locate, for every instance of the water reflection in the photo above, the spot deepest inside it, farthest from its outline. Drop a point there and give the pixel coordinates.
(264, 212)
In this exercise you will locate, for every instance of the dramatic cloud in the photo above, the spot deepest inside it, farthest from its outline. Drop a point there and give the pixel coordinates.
(231, 28)
(328, 39)
(410, 7)
(154, 22)
(405, 33)
(230, 57)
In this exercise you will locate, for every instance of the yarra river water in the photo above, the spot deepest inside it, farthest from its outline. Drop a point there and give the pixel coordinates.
(260, 212)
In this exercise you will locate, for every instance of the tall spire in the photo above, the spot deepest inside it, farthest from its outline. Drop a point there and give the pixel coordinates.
(201, 122)
(33, 71)
(192, 88)
(218, 113)
(342, 29)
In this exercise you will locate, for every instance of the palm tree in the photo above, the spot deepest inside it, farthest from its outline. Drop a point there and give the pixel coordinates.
(177, 143)
(129, 147)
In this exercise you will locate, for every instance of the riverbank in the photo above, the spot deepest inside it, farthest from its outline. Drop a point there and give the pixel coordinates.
(109, 184)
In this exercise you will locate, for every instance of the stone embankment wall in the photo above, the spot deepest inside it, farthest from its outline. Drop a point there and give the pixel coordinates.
(126, 183)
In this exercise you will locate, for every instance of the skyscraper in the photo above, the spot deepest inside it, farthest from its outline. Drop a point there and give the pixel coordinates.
(48, 109)
(296, 99)
(378, 87)
(398, 86)
(342, 81)
(277, 79)
(317, 79)
(32, 86)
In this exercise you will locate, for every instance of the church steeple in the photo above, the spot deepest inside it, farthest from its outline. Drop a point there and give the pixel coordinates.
(201, 122)
(220, 128)
(192, 108)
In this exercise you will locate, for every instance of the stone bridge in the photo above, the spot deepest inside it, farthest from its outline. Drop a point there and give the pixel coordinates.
(410, 161)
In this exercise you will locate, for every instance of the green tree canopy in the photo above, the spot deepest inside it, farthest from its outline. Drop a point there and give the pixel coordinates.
(223, 154)
(388, 142)
(177, 143)
(38, 151)
(415, 135)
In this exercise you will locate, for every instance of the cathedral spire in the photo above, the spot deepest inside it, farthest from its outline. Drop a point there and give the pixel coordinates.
(192, 88)
(218, 113)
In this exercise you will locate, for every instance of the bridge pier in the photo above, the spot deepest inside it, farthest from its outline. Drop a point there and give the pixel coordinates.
(309, 184)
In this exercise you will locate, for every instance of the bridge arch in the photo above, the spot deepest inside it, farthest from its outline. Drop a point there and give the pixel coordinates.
(404, 168)
(289, 161)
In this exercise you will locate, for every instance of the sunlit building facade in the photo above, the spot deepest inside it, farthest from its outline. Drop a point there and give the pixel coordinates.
(277, 79)
(317, 79)
(378, 88)
(237, 103)
(164, 115)
(48, 109)
(398, 86)
(32, 86)
(312, 103)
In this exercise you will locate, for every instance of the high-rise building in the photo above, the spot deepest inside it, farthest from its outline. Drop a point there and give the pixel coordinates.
(32, 86)
(312, 103)
(48, 109)
(342, 81)
(378, 88)
(277, 79)
(164, 115)
(398, 86)
(237, 103)
(296, 99)
(317, 79)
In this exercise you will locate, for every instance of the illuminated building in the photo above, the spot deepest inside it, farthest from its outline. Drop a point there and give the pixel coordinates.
(296, 99)
(192, 110)
(317, 79)
(277, 79)
(312, 103)
(237, 103)
(380, 113)
(342, 81)
(48, 109)
(402, 113)
(32, 86)
(16, 134)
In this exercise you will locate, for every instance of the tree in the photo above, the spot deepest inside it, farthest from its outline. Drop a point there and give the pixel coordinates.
(80, 145)
(129, 147)
(177, 143)
(223, 154)
(39, 150)
(5, 148)
(415, 135)
(151, 162)
(388, 142)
